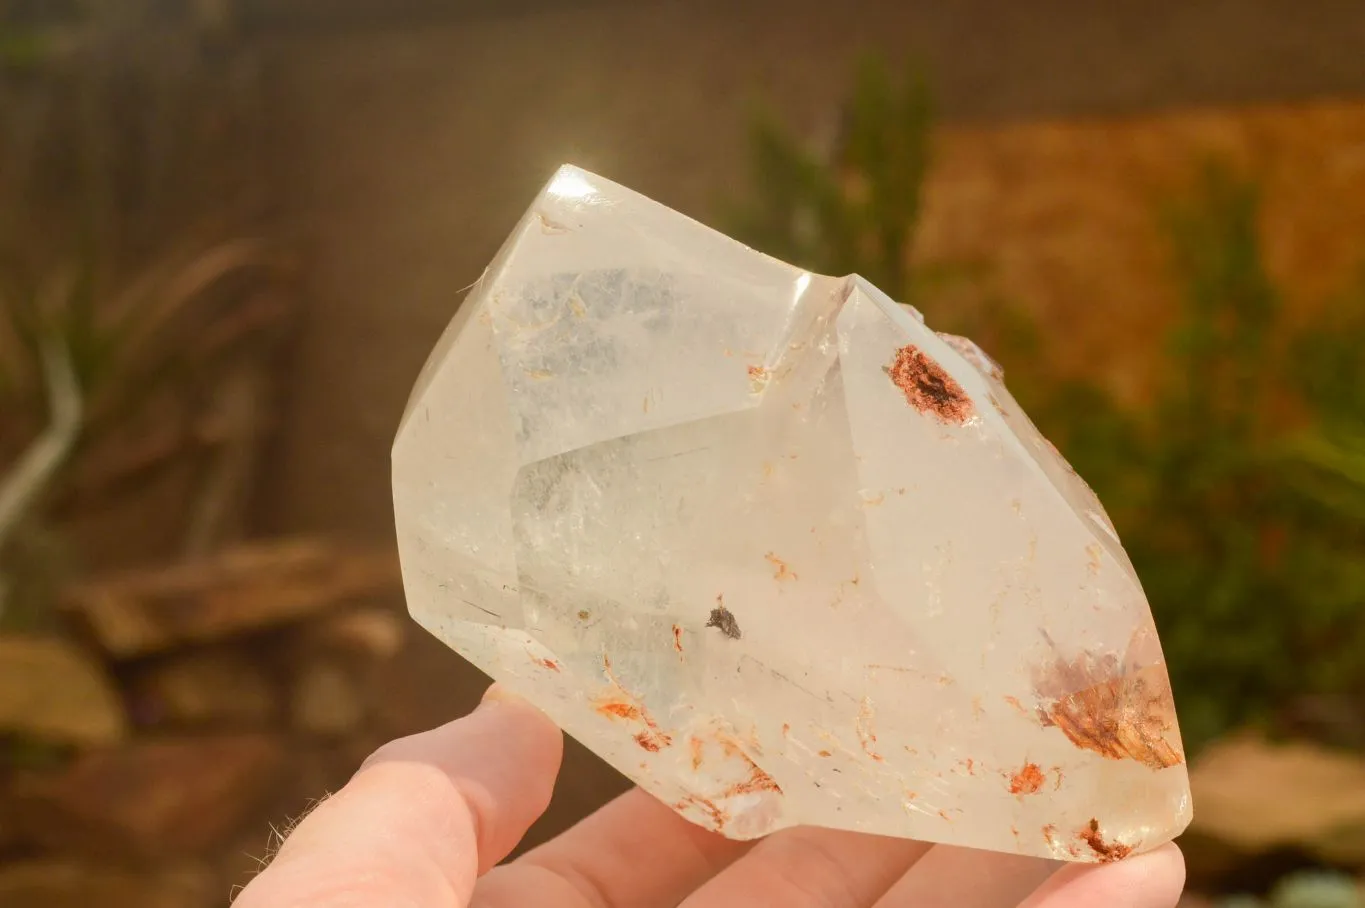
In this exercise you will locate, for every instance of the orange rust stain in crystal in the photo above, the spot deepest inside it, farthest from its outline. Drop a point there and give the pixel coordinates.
(1028, 780)
(786, 729)
(1121, 716)
(618, 703)
(758, 781)
(1050, 834)
(652, 740)
(928, 387)
(715, 814)
(677, 638)
(1014, 701)
(758, 373)
(551, 664)
(826, 753)
(780, 569)
(1107, 852)
(866, 736)
(618, 709)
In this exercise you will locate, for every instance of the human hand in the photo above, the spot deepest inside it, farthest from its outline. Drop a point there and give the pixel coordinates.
(426, 819)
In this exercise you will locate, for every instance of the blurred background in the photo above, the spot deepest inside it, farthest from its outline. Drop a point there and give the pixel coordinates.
(231, 230)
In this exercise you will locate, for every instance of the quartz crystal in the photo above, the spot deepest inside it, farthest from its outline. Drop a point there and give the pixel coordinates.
(776, 550)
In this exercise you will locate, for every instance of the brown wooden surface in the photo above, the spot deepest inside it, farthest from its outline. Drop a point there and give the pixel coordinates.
(233, 592)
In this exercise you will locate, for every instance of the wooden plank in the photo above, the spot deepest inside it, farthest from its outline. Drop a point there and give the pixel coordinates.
(235, 592)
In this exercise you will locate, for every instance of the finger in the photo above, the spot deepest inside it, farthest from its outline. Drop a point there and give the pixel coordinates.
(953, 877)
(805, 867)
(423, 816)
(633, 853)
(1152, 880)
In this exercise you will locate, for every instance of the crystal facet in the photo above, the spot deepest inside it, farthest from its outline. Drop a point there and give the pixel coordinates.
(776, 550)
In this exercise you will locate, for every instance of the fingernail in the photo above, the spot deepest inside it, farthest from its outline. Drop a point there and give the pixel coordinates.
(498, 694)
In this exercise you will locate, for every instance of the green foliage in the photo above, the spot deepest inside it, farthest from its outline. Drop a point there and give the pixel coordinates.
(23, 49)
(126, 343)
(1238, 514)
(86, 368)
(133, 339)
(1238, 488)
(860, 213)
(1306, 889)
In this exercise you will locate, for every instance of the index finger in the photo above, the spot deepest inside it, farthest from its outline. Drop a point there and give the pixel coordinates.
(423, 817)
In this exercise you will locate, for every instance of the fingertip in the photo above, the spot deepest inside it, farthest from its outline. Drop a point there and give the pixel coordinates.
(545, 737)
(1158, 874)
(1154, 879)
(496, 693)
(1166, 867)
(512, 793)
(504, 760)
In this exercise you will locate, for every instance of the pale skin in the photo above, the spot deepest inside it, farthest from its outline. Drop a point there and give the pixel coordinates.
(426, 820)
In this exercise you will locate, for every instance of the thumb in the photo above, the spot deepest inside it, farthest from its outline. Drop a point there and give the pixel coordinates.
(423, 817)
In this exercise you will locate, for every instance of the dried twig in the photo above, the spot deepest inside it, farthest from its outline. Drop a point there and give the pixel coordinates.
(231, 469)
(36, 468)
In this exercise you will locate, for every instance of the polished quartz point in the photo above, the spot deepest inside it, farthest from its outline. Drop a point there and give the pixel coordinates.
(776, 550)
